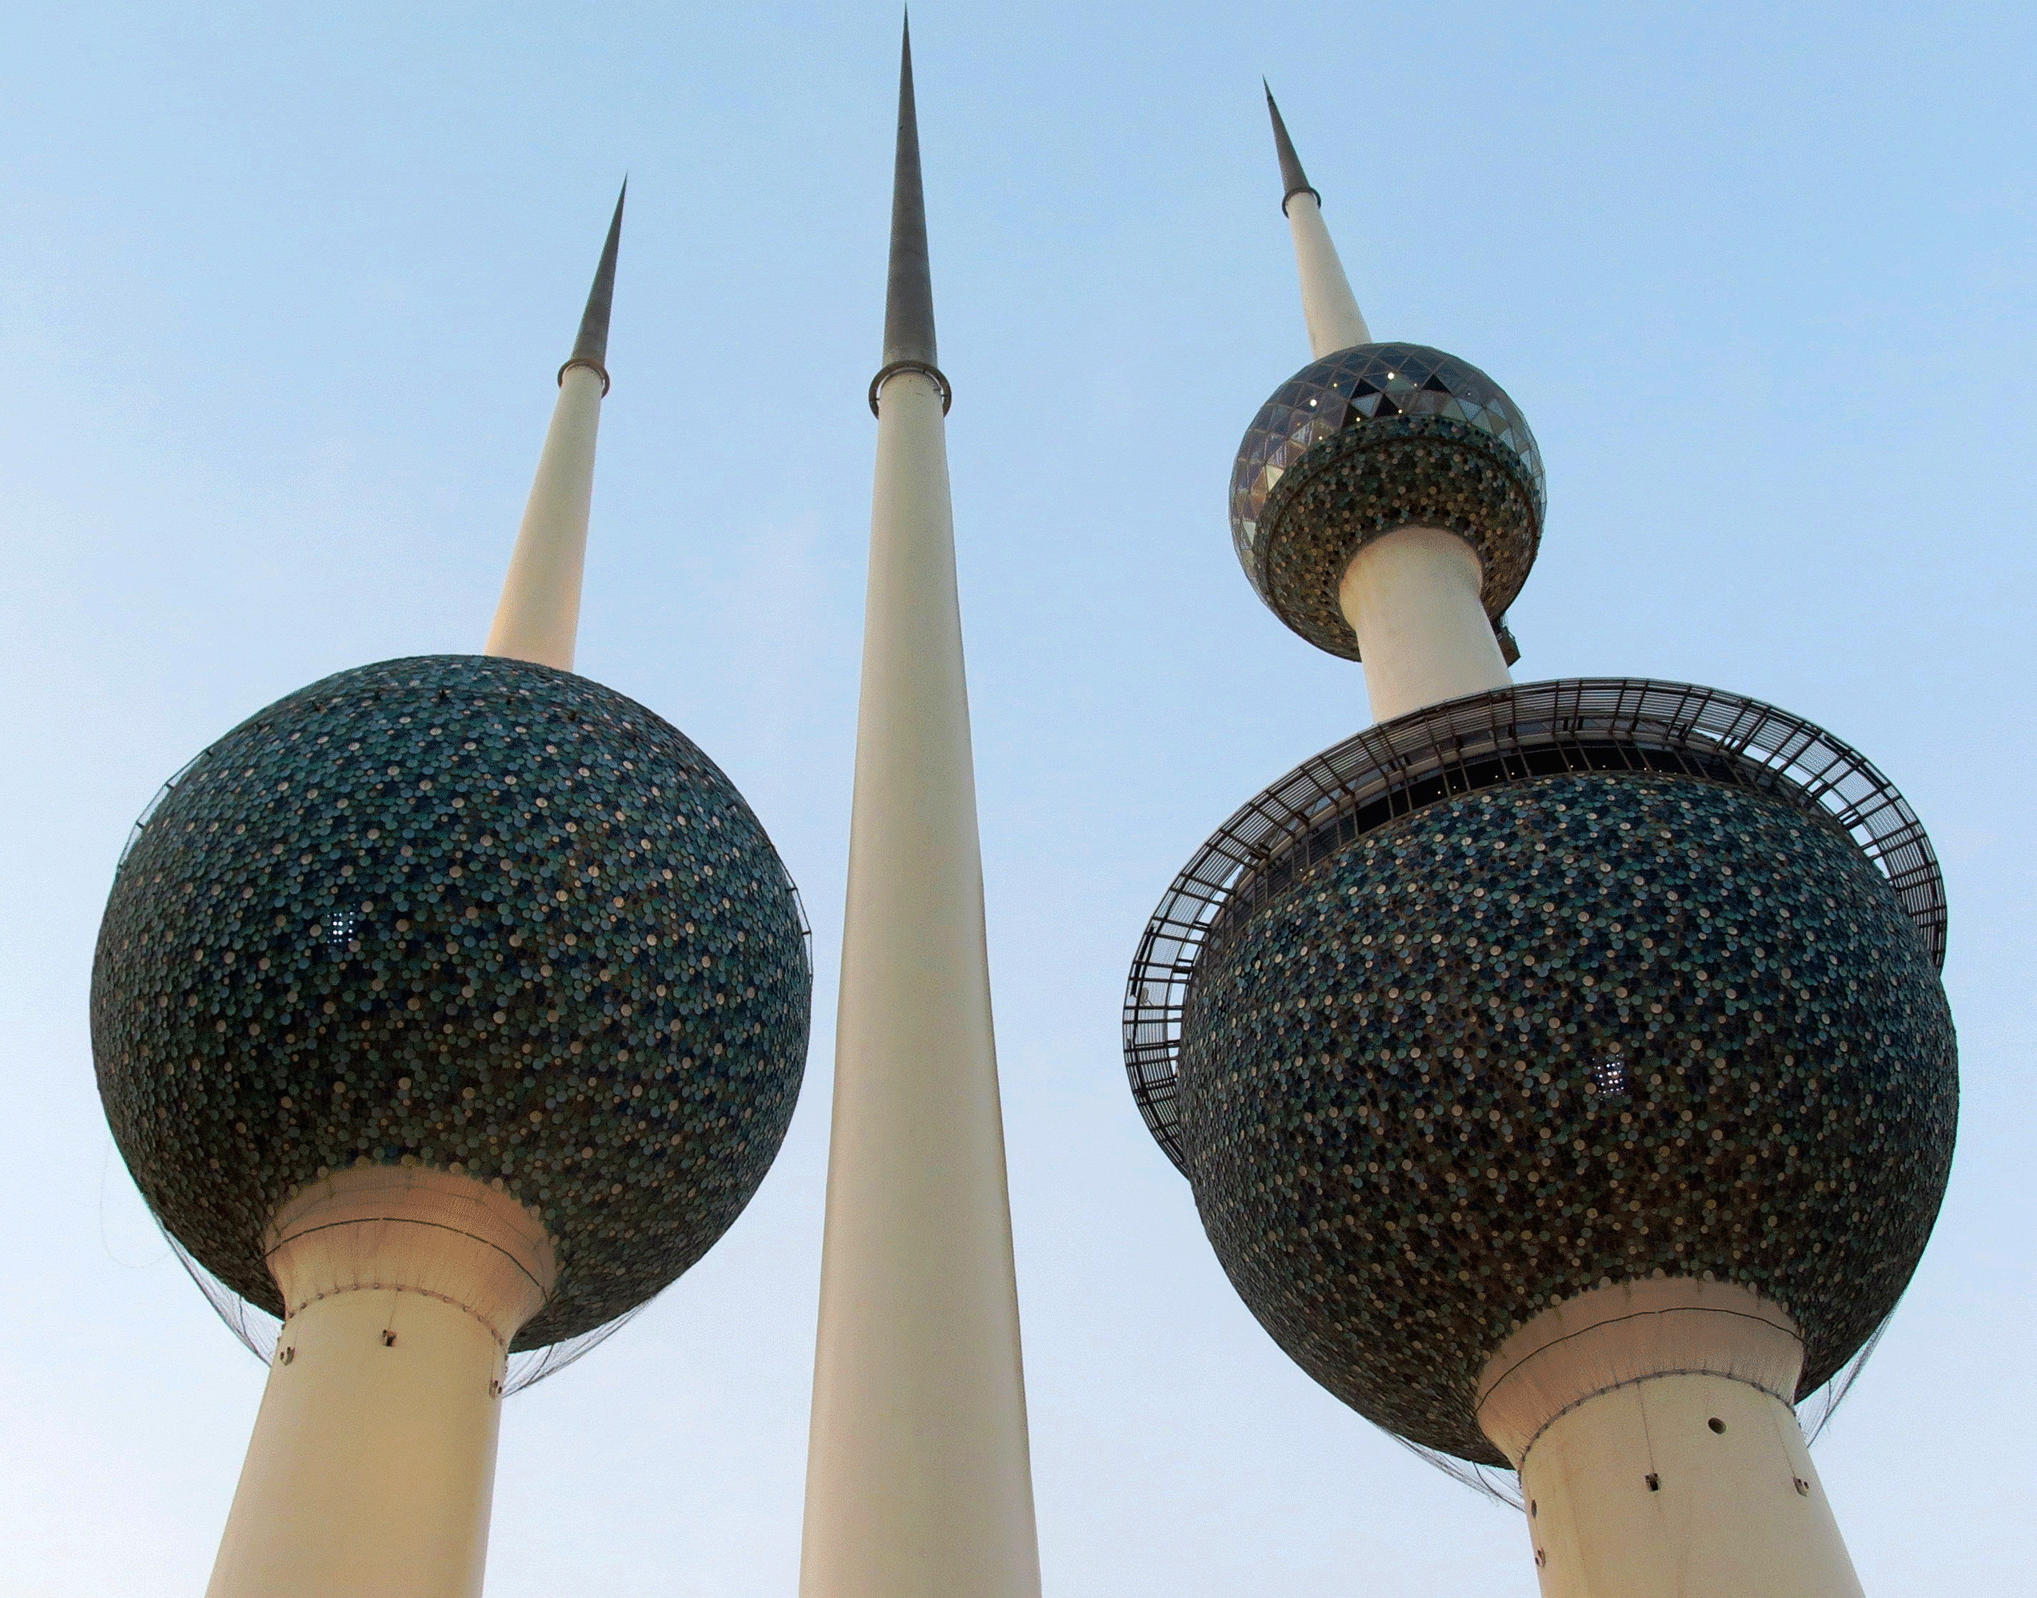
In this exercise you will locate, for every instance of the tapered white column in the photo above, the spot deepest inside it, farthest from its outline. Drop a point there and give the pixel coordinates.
(372, 1464)
(1327, 303)
(1658, 1450)
(1412, 598)
(919, 1483)
(538, 617)
(539, 614)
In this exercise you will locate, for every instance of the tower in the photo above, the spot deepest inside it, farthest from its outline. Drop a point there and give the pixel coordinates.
(448, 1007)
(1561, 1069)
(918, 1481)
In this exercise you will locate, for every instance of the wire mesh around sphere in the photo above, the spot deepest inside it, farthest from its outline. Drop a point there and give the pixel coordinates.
(1367, 440)
(1544, 990)
(463, 912)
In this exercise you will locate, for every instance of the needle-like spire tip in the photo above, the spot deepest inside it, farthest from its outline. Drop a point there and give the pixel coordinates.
(591, 347)
(909, 295)
(1293, 180)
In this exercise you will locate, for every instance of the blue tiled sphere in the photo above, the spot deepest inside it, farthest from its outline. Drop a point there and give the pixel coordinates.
(1367, 440)
(1562, 1033)
(1544, 990)
(462, 912)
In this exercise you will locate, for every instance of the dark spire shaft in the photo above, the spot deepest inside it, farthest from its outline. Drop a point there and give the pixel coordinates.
(909, 295)
(591, 347)
(1293, 180)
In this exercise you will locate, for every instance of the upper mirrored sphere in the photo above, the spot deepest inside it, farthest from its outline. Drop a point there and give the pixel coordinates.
(1386, 435)
(1369, 383)
(460, 912)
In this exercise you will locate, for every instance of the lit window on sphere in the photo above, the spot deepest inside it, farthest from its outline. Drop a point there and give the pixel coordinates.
(1609, 1077)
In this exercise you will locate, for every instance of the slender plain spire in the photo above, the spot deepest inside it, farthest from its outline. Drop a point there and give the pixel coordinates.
(909, 295)
(591, 347)
(1295, 180)
(1334, 321)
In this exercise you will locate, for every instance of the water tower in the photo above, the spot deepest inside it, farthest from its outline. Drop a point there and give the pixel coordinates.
(1561, 1068)
(449, 1007)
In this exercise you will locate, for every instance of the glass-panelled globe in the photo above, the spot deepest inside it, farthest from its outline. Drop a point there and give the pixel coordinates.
(1386, 436)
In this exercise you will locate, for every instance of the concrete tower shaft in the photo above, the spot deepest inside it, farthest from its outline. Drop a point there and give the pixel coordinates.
(919, 1482)
(1654, 1427)
(403, 1290)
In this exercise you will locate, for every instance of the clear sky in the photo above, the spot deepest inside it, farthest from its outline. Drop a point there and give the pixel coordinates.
(282, 290)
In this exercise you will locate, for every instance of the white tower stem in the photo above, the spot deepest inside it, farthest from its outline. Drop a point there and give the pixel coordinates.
(372, 1465)
(1327, 303)
(1413, 596)
(538, 617)
(1658, 1448)
(919, 1481)
(539, 614)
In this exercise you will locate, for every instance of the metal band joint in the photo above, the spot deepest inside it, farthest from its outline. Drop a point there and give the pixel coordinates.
(927, 367)
(592, 365)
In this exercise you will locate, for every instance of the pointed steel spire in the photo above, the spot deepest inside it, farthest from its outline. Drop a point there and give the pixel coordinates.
(591, 347)
(538, 616)
(1334, 321)
(909, 292)
(1294, 181)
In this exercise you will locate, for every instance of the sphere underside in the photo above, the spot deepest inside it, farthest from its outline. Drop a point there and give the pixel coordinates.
(462, 912)
(1561, 1032)
(1368, 440)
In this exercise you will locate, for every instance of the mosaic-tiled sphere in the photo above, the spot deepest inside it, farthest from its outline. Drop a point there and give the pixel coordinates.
(462, 912)
(1542, 989)
(1555, 1034)
(1367, 440)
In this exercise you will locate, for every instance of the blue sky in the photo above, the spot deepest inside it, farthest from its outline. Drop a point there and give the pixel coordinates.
(281, 293)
